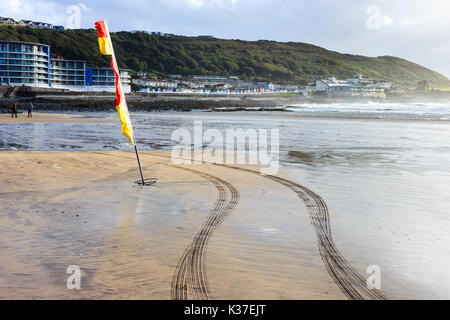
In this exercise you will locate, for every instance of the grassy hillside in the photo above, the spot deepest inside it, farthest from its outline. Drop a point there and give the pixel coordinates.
(258, 60)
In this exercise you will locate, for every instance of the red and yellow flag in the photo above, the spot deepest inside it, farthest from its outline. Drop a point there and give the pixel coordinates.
(105, 44)
(104, 40)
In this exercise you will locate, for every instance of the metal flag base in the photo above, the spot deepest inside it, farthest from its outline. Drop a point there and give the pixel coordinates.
(147, 182)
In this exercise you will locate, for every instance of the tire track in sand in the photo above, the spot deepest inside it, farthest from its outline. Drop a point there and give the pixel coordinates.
(189, 274)
(189, 279)
(350, 282)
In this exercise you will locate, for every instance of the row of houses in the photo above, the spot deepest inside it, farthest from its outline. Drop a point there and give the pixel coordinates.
(156, 33)
(29, 23)
(357, 86)
(214, 84)
(31, 64)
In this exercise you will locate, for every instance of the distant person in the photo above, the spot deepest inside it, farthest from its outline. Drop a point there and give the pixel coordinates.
(30, 110)
(14, 110)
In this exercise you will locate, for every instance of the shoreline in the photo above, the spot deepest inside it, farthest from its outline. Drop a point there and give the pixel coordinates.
(187, 102)
(46, 117)
(71, 116)
(140, 103)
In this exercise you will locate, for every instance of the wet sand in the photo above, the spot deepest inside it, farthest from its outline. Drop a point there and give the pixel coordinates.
(213, 232)
(82, 208)
(47, 117)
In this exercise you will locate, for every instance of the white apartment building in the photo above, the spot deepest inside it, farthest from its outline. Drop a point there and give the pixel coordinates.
(357, 86)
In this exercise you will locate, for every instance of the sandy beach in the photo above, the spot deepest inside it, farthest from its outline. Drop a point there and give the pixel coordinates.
(344, 199)
(47, 117)
(82, 208)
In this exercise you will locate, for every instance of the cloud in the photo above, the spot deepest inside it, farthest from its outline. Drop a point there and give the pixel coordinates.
(200, 4)
(47, 11)
(16, 7)
(409, 21)
(387, 21)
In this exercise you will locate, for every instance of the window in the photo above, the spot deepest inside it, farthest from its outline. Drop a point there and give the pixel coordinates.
(26, 48)
(14, 48)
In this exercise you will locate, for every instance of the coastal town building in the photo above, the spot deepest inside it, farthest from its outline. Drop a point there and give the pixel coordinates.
(31, 64)
(326, 84)
(26, 23)
(205, 84)
(103, 79)
(4, 20)
(423, 85)
(209, 78)
(24, 63)
(286, 87)
(30, 23)
(357, 86)
(151, 83)
(359, 80)
(67, 74)
(383, 85)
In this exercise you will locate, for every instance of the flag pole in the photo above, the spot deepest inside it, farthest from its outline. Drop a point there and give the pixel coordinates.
(119, 83)
(134, 139)
(139, 163)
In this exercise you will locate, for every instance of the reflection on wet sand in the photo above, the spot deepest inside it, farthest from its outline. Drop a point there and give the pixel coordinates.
(385, 183)
(128, 240)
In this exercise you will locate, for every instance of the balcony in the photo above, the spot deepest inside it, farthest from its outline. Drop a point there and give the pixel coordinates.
(53, 67)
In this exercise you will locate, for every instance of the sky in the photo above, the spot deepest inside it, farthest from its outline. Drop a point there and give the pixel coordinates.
(417, 30)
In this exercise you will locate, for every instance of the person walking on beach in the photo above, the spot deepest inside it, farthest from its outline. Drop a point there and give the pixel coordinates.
(30, 110)
(14, 110)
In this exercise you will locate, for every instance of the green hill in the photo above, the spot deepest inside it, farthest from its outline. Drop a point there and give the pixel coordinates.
(257, 60)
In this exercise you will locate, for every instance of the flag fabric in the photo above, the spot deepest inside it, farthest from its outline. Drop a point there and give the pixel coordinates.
(121, 106)
(104, 40)
(106, 48)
